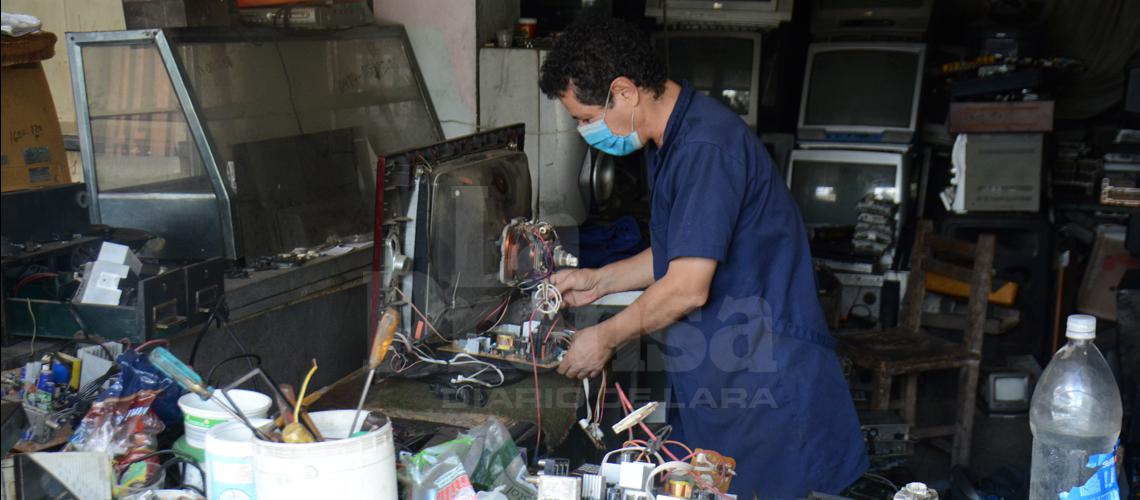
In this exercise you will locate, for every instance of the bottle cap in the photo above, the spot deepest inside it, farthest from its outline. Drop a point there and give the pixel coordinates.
(1081, 327)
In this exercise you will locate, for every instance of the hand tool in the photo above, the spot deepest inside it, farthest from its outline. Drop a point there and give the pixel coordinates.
(381, 341)
(183, 375)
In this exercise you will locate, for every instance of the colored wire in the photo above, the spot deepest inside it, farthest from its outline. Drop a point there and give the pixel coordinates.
(29, 279)
(35, 327)
(304, 388)
(420, 314)
(629, 407)
(682, 445)
(601, 399)
(151, 343)
(537, 403)
(544, 339)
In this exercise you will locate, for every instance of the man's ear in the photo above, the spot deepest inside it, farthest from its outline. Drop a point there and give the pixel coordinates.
(624, 89)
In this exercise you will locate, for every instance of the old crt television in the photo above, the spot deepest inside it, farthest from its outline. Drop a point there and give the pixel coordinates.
(900, 19)
(721, 64)
(445, 206)
(737, 13)
(861, 92)
(828, 184)
(1006, 392)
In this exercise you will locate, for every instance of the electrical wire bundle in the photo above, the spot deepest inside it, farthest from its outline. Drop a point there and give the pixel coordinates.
(704, 473)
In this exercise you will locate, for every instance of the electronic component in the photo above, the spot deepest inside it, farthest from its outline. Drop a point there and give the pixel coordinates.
(530, 252)
(635, 418)
(713, 468)
(559, 487)
(554, 466)
(885, 434)
(101, 278)
(634, 475)
(593, 431)
(995, 173)
(593, 487)
(517, 344)
(681, 487)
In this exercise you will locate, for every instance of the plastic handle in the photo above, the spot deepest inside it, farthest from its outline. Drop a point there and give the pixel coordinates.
(174, 368)
(385, 332)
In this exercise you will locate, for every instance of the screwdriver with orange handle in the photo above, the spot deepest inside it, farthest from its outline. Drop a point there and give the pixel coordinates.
(381, 341)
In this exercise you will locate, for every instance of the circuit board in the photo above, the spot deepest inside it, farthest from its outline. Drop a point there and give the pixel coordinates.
(512, 344)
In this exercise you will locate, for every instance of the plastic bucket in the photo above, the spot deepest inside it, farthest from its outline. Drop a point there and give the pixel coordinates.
(199, 416)
(191, 476)
(361, 467)
(229, 460)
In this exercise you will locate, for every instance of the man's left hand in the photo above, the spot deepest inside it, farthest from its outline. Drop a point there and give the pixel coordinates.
(588, 354)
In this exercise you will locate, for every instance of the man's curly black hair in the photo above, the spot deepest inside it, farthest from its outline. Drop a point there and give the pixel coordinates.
(592, 52)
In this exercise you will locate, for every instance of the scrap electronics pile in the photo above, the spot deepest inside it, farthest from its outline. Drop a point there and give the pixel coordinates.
(111, 430)
(236, 447)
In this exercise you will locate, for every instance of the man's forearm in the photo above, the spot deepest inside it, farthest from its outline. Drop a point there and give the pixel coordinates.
(634, 273)
(663, 303)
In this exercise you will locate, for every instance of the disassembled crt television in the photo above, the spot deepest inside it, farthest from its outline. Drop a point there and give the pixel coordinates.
(459, 255)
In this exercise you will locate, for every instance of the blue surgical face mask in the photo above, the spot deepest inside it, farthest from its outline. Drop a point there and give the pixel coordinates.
(599, 135)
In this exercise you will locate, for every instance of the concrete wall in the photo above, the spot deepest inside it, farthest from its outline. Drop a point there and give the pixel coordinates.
(446, 36)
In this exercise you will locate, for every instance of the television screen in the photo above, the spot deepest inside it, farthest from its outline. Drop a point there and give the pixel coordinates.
(861, 87)
(716, 65)
(1011, 388)
(828, 191)
(871, 4)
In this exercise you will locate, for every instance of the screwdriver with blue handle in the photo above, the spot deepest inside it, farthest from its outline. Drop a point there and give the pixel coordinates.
(188, 379)
(381, 341)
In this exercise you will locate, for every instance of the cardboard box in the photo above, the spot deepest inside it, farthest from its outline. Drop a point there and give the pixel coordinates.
(1024, 116)
(32, 149)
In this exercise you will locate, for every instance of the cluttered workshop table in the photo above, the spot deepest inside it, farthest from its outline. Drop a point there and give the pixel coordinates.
(420, 401)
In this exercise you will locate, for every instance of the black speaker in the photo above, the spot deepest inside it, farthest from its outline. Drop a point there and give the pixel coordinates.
(1023, 254)
(1132, 237)
(889, 304)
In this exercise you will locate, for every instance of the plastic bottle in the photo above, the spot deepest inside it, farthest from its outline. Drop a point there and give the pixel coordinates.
(1075, 417)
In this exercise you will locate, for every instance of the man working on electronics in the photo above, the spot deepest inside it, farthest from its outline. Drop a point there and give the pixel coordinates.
(729, 278)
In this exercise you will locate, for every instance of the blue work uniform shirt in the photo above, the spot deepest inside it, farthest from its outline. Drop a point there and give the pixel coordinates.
(753, 374)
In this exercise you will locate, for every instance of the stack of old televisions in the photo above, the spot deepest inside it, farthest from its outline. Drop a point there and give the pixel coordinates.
(850, 170)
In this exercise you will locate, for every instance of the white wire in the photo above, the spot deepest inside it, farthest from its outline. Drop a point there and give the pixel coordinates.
(589, 410)
(606, 458)
(662, 468)
(548, 298)
(35, 327)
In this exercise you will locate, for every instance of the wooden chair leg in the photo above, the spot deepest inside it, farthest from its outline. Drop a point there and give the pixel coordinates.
(882, 397)
(910, 399)
(964, 433)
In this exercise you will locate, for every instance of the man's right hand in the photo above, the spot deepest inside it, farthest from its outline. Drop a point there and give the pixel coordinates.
(579, 287)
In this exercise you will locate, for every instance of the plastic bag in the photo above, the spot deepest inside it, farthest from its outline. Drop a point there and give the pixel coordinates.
(437, 473)
(165, 405)
(121, 422)
(484, 458)
(500, 463)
